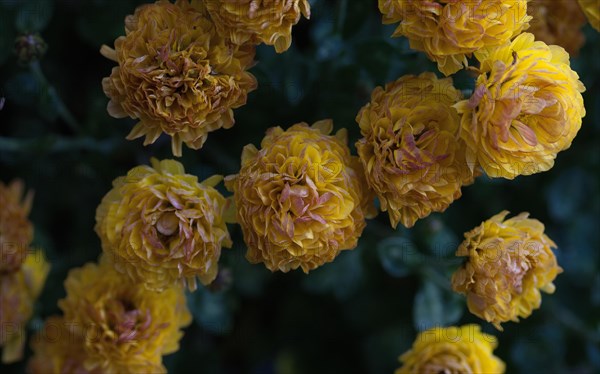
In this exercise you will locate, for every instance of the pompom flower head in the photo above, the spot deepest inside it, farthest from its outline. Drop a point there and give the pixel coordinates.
(16, 231)
(508, 263)
(18, 293)
(58, 348)
(452, 350)
(176, 74)
(527, 107)
(410, 150)
(255, 22)
(557, 22)
(125, 327)
(449, 31)
(591, 8)
(301, 198)
(161, 226)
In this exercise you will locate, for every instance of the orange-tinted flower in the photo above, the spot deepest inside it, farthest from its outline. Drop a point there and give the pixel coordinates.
(126, 328)
(452, 350)
(176, 74)
(16, 231)
(527, 107)
(449, 31)
(591, 8)
(557, 22)
(410, 150)
(508, 263)
(254, 22)
(301, 198)
(59, 348)
(161, 226)
(18, 292)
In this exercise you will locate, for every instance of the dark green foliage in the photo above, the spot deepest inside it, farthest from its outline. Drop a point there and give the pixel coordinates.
(355, 315)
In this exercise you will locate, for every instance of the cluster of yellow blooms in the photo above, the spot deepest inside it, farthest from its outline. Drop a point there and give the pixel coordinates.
(110, 325)
(452, 350)
(161, 226)
(302, 198)
(22, 272)
(422, 142)
(182, 67)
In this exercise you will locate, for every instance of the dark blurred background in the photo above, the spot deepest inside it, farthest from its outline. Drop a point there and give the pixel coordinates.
(355, 315)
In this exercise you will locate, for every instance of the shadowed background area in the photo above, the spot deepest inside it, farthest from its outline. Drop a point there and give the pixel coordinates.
(355, 315)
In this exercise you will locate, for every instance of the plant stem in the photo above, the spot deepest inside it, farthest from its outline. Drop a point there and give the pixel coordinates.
(60, 106)
(56, 144)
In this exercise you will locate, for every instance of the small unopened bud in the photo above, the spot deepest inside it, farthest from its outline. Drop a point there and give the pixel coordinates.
(29, 48)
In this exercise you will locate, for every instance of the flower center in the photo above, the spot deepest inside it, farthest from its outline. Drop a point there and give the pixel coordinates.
(167, 224)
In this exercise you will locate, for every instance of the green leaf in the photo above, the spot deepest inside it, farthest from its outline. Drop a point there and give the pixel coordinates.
(398, 256)
(212, 311)
(342, 277)
(567, 193)
(440, 240)
(22, 89)
(434, 307)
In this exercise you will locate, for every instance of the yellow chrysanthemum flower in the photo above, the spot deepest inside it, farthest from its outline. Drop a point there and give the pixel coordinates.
(161, 226)
(301, 198)
(255, 22)
(449, 31)
(508, 263)
(527, 107)
(176, 74)
(126, 328)
(410, 150)
(591, 8)
(59, 348)
(557, 22)
(18, 292)
(16, 231)
(452, 350)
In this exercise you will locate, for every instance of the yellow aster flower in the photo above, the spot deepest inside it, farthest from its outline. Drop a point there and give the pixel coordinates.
(449, 31)
(16, 231)
(18, 292)
(557, 22)
(508, 263)
(59, 348)
(258, 21)
(176, 74)
(413, 158)
(126, 328)
(161, 226)
(527, 107)
(452, 350)
(591, 8)
(301, 198)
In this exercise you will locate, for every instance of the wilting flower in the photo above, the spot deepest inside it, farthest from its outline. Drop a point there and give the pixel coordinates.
(176, 74)
(255, 22)
(410, 150)
(125, 327)
(452, 350)
(557, 22)
(301, 198)
(591, 8)
(508, 263)
(16, 231)
(449, 31)
(18, 292)
(527, 107)
(59, 348)
(161, 226)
